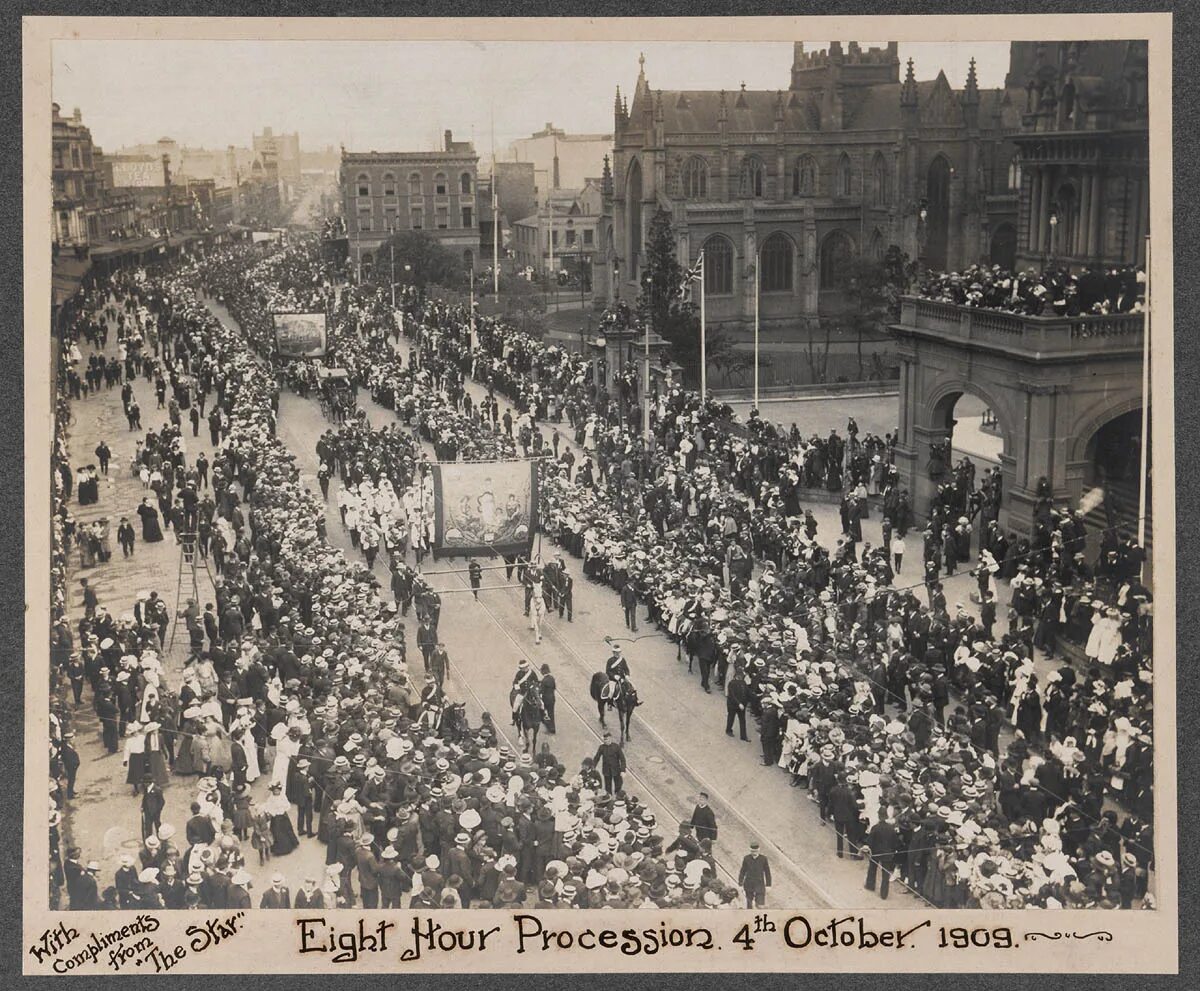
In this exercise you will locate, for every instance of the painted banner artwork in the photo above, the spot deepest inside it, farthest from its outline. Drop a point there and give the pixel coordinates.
(484, 508)
(299, 335)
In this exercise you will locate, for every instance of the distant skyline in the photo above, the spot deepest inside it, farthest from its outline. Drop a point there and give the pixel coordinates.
(401, 95)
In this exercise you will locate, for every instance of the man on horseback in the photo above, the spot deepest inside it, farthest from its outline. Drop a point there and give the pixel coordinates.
(523, 678)
(617, 668)
(614, 687)
(526, 700)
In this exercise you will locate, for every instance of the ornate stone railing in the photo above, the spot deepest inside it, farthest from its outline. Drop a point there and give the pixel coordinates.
(1038, 334)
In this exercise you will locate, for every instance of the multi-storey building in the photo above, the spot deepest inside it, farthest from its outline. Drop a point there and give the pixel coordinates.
(77, 184)
(563, 234)
(431, 191)
(560, 160)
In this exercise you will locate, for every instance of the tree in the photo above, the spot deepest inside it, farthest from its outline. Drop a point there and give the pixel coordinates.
(864, 284)
(661, 303)
(430, 263)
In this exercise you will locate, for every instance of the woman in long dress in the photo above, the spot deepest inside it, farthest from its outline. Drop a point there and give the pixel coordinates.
(151, 531)
(154, 763)
(251, 748)
(283, 834)
(189, 727)
(220, 753)
(287, 746)
(135, 755)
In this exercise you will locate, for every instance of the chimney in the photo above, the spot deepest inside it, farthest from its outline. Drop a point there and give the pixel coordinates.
(449, 139)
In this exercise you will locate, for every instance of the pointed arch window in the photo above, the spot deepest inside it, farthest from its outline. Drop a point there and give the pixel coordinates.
(777, 267)
(753, 177)
(718, 265)
(695, 179)
(843, 177)
(1014, 173)
(879, 173)
(836, 252)
(804, 176)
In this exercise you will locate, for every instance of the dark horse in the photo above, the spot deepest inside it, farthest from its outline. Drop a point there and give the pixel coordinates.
(621, 695)
(448, 720)
(528, 714)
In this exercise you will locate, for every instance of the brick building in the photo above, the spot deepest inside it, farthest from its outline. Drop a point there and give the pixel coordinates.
(78, 186)
(568, 222)
(431, 191)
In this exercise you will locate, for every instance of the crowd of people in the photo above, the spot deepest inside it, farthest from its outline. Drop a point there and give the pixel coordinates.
(1051, 292)
(299, 675)
(927, 739)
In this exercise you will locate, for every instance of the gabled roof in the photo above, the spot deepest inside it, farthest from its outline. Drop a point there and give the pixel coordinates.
(746, 110)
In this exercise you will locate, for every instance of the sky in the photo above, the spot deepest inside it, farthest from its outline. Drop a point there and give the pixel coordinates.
(401, 95)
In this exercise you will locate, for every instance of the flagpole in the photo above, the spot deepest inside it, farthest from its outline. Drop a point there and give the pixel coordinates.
(495, 217)
(756, 294)
(495, 235)
(703, 339)
(646, 389)
(1145, 458)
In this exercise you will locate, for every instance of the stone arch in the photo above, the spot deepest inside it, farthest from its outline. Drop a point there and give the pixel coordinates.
(942, 397)
(1086, 429)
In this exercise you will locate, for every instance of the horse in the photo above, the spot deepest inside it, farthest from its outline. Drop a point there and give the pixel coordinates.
(528, 713)
(621, 695)
(446, 720)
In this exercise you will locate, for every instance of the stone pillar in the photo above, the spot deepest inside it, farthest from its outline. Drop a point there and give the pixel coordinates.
(1035, 202)
(1083, 237)
(811, 263)
(1094, 245)
(1043, 242)
(749, 265)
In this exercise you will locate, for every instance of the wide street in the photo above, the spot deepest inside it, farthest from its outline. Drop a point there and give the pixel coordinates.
(678, 746)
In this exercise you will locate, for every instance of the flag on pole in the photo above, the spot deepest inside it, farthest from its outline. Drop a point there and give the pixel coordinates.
(691, 275)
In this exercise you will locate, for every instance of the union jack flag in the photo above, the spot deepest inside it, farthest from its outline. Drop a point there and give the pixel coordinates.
(691, 275)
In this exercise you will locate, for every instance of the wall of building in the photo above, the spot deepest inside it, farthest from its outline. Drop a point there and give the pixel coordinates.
(580, 156)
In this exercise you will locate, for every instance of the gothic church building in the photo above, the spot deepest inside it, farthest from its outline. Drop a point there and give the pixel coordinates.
(849, 159)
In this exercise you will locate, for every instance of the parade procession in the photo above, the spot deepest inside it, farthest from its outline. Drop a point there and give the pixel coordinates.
(371, 588)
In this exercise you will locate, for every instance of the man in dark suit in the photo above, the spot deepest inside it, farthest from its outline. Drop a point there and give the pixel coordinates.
(153, 802)
(755, 877)
(368, 872)
(238, 895)
(610, 758)
(199, 828)
(85, 897)
(629, 604)
(843, 809)
(704, 821)
(881, 849)
(736, 697)
(276, 896)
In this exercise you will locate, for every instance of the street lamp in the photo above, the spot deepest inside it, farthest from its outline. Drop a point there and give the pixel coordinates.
(922, 231)
(1053, 228)
(392, 249)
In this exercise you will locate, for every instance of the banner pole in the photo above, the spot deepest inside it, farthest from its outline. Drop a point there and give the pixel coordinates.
(1145, 454)
(703, 339)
